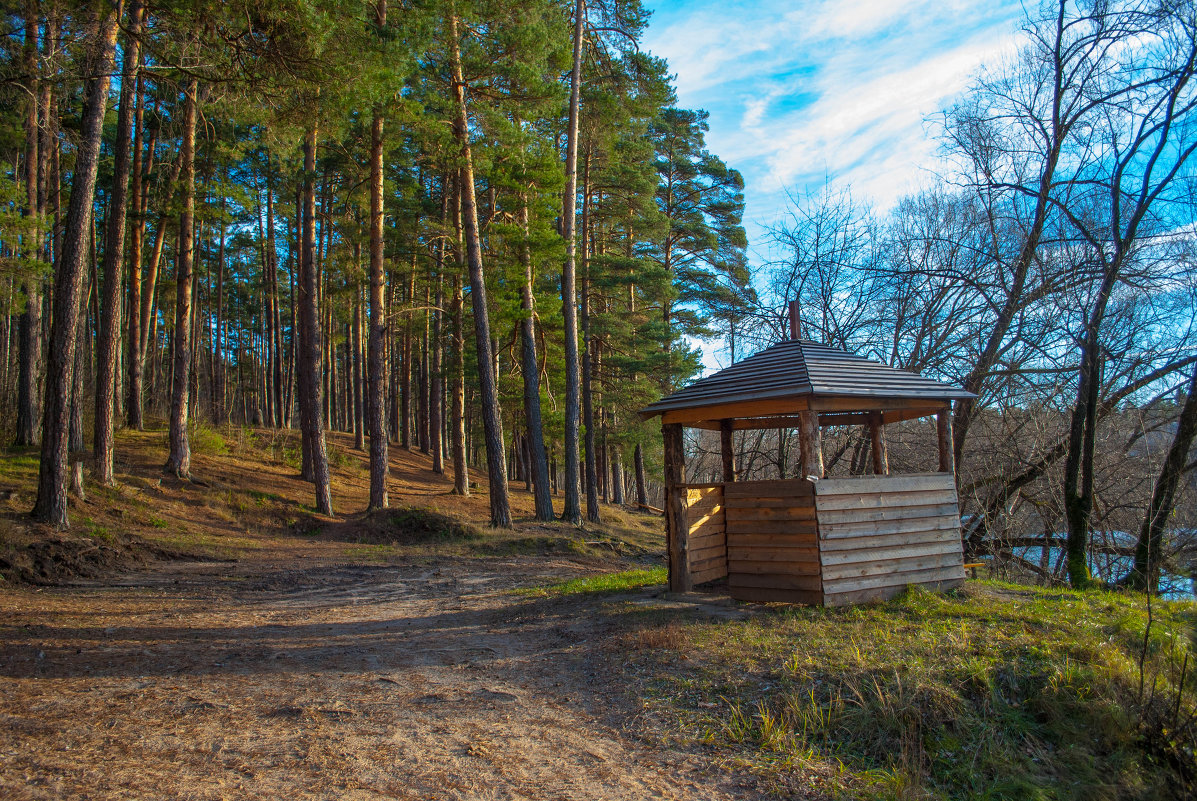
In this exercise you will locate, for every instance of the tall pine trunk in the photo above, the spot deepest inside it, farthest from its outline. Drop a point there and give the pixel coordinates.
(376, 346)
(133, 347)
(178, 461)
(51, 504)
(219, 405)
(309, 322)
(539, 467)
(29, 354)
(569, 302)
(359, 416)
(114, 251)
(457, 424)
(593, 513)
(500, 507)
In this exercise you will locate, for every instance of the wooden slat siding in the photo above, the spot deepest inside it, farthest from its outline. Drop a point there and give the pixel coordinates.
(710, 574)
(903, 579)
(698, 506)
(786, 488)
(829, 517)
(703, 556)
(799, 528)
(778, 541)
(708, 532)
(878, 534)
(884, 593)
(876, 568)
(710, 540)
(875, 541)
(885, 500)
(769, 503)
(896, 553)
(699, 516)
(870, 527)
(772, 541)
(764, 594)
(706, 526)
(774, 513)
(808, 567)
(904, 483)
(776, 581)
(786, 553)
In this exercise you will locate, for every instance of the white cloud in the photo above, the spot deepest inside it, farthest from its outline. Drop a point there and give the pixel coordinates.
(826, 87)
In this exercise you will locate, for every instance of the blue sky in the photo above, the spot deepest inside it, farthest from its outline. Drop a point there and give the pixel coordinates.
(807, 90)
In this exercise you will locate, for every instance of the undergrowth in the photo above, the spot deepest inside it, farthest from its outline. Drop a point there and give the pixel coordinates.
(986, 693)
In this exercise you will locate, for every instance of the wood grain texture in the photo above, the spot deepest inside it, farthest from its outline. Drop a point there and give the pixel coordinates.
(903, 579)
(883, 593)
(777, 581)
(767, 594)
(884, 500)
(877, 527)
(783, 488)
(867, 484)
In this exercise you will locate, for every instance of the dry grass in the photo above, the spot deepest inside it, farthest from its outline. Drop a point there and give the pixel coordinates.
(247, 499)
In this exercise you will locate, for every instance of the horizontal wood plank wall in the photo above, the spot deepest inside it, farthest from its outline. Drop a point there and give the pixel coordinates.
(772, 543)
(878, 534)
(708, 532)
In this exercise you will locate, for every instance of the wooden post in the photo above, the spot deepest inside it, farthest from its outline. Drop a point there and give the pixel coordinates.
(676, 529)
(943, 425)
(795, 322)
(880, 453)
(727, 447)
(810, 445)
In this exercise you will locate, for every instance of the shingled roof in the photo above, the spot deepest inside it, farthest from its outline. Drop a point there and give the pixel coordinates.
(801, 368)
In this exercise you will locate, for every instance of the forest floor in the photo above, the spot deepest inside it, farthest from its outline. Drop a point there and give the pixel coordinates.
(218, 640)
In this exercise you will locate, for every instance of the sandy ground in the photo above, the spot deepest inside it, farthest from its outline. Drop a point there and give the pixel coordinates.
(299, 680)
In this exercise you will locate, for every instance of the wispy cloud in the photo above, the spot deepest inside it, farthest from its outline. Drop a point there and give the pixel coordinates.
(823, 88)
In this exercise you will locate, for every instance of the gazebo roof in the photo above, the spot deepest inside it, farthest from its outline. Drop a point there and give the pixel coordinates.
(804, 371)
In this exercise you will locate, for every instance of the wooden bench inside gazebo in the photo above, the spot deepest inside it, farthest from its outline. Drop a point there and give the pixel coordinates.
(811, 539)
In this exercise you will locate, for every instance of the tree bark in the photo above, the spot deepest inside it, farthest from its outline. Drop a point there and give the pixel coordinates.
(51, 504)
(461, 475)
(572, 511)
(539, 467)
(641, 482)
(30, 337)
(178, 461)
(309, 321)
(114, 251)
(359, 416)
(378, 325)
(137, 193)
(500, 508)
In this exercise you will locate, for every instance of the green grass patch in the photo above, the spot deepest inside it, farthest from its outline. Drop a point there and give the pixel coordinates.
(207, 441)
(987, 693)
(602, 583)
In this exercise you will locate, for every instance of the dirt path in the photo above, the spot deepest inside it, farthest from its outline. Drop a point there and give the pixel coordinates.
(325, 681)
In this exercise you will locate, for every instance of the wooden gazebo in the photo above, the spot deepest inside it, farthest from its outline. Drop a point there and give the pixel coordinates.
(811, 540)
